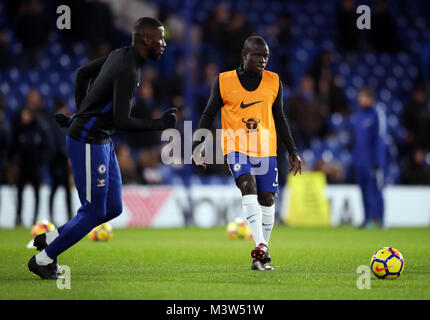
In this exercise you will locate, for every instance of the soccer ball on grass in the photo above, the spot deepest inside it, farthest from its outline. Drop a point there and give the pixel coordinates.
(41, 227)
(103, 232)
(239, 229)
(387, 263)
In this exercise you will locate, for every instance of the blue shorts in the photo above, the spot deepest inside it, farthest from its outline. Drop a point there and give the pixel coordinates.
(264, 169)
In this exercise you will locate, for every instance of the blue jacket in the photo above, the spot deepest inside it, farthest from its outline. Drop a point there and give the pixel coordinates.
(369, 129)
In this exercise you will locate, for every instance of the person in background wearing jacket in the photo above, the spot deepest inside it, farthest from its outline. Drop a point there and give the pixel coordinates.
(369, 127)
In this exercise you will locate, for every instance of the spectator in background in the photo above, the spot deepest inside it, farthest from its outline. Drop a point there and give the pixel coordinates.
(209, 74)
(279, 36)
(424, 60)
(34, 102)
(59, 166)
(416, 120)
(329, 91)
(416, 169)
(29, 152)
(306, 114)
(215, 27)
(332, 96)
(213, 35)
(175, 83)
(148, 168)
(369, 130)
(173, 26)
(334, 171)
(321, 69)
(126, 164)
(99, 31)
(383, 33)
(237, 32)
(5, 57)
(347, 32)
(32, 29)
(144, 108)
(4, 142)
(163, 16)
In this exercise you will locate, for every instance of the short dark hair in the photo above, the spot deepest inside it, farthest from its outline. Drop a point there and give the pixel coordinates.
(144, 25)
(253, 40)
(368, 91)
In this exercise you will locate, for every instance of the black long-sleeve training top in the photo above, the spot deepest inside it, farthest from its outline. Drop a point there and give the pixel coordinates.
(250, 81)
(104, 90)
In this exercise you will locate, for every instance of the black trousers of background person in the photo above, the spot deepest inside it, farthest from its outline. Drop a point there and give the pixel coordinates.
(60, 178)
(34, 177)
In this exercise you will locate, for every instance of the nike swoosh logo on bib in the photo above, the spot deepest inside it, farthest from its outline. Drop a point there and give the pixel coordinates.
(244, 106)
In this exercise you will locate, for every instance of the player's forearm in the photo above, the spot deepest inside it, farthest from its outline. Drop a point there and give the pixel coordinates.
(214, 104)
(281, 123)
(127, 123)
(205, 123)
(284, 133)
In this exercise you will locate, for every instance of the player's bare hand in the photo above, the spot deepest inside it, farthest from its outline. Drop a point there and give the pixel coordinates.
(197, 158)
(296, 164)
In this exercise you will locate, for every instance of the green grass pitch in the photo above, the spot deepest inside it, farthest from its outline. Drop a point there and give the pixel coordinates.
(185, 264)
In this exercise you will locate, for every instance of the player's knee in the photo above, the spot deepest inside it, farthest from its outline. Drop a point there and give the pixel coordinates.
(247, 186)
(266, 199)
(115, 210)
(97, 210)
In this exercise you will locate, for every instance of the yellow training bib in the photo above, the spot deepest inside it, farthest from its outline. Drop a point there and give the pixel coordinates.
(247, 120)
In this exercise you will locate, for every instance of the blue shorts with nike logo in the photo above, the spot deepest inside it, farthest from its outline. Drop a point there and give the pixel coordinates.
(264, 169)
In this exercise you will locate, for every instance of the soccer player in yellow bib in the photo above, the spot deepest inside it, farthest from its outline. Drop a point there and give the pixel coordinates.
(252, 116)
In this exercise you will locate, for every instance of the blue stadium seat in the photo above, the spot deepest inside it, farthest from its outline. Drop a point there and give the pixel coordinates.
(397, 107)
(44, 88)
(357, 81)
(65, 61)
(363, 70)
(407, 84)
(385, 95)
(327, 156)
(328, 45)
(344, 69)
(351, 93)
(5, 88)
(269, 18)
(12, 102)
(385, 59)
(65, 88)
(308, 157)
(391, 83)
(46, 63)
(79, 49)
(14, 74)
(54, 78)
(370, 59)
(54, 50)
(379, 71)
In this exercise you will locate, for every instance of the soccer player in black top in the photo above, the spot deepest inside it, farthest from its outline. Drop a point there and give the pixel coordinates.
(103, 92)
